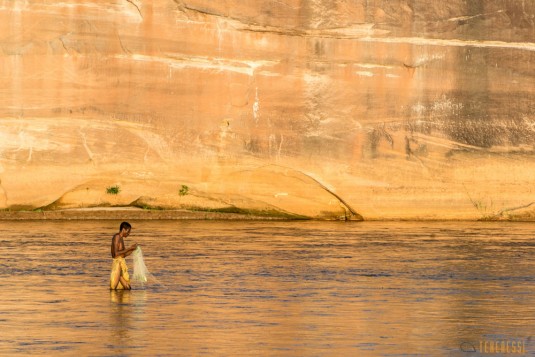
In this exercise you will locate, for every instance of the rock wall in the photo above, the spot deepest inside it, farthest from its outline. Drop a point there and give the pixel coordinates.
(399, 109)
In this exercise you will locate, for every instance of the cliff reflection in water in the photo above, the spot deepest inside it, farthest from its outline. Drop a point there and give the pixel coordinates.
(268, 288)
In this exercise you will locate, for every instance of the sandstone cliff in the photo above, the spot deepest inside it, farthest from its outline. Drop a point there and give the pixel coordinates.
(316, 108)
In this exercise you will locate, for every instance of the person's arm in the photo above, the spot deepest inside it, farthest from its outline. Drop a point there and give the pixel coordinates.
(126, 252)
(123, 252)
(130, 250)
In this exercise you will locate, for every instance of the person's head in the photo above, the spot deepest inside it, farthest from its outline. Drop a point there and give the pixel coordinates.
(125, 228)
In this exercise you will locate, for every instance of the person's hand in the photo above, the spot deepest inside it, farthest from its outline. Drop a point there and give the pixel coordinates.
(134, 246)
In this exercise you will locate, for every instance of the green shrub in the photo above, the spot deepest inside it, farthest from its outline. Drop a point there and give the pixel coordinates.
(113, 190)
(183, 190)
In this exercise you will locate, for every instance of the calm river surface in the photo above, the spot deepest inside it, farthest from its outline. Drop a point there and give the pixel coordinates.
(268, 288)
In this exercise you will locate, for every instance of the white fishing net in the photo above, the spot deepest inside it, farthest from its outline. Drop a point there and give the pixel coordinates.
(141, 273)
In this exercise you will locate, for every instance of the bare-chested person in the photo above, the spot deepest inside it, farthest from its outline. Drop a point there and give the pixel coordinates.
(119, 278)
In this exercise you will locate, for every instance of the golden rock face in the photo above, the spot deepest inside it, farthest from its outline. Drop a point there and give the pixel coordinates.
(389, 110)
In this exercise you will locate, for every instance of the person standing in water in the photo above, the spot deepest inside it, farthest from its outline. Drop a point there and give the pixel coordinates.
(119, 278)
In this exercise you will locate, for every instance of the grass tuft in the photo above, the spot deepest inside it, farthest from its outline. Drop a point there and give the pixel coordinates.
(183, 190)
(113, 190)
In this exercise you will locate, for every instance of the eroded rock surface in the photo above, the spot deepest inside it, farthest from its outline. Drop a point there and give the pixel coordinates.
(385, 109)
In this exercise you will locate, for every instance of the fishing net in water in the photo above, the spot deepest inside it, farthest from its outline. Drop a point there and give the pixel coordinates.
(141, 273)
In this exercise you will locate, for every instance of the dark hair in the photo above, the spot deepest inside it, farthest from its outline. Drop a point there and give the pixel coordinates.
(125, 225)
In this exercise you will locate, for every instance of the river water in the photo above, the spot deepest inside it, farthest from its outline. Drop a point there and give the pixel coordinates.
(268, 289)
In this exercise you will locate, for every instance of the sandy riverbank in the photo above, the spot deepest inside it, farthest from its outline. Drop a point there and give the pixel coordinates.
(134, 213)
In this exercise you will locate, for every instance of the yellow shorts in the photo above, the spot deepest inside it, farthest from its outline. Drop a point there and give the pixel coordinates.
(118, 265)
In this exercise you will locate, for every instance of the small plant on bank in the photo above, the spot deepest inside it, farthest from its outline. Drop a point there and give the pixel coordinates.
(183, 190)
(113, 190)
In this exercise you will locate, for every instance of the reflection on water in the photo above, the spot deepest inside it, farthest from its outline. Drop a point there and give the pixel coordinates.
(268, 288)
